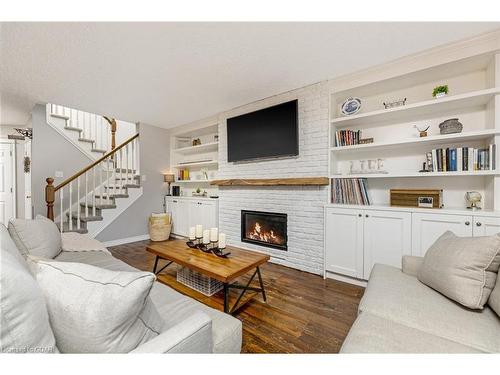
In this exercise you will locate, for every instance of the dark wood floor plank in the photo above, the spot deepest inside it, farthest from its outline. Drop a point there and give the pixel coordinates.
(304, 313)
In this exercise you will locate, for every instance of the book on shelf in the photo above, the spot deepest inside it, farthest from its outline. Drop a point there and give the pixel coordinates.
(347, 137)
(350, 191)
(459, 159)
(183, 174)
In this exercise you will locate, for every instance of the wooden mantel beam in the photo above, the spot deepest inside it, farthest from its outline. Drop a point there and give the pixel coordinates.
(303, 181)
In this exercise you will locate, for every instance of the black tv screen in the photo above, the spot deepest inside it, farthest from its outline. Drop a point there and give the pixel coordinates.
(267, 133)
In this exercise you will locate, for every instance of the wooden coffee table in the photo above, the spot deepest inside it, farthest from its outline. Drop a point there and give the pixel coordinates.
(226, 270)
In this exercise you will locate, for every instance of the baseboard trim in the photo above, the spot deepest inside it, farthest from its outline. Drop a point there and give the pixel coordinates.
(346, 279)
(122, 241)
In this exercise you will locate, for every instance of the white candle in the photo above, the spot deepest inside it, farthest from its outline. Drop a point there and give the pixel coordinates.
(199, 231)
(214, 234)
(222, 241)
(206, 237)
(192, 233)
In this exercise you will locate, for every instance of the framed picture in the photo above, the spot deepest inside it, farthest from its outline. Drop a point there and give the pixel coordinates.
(425, 202)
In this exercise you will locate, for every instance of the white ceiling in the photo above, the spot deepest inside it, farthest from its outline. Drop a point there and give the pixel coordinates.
(167, 74)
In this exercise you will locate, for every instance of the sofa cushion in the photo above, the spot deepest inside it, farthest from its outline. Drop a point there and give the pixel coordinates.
(462, 268)
(174, 307)
(494, 300)
(395, 296)
(373, 334)
(39, 237)
(94, 310)
(9, 246)
(72, 241)
(25, 326)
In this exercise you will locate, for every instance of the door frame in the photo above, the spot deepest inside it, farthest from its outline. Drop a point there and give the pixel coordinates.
(14, 171)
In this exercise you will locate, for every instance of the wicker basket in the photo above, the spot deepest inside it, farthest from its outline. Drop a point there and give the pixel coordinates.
(201, 283)
(160, 226)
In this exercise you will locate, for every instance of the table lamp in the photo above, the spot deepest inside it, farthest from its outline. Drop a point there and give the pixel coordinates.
(168, 178)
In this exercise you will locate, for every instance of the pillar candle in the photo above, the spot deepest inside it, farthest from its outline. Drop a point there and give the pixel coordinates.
(199, 231)
(222, 240)
(214, 234)
(192, 233)
(206, 236)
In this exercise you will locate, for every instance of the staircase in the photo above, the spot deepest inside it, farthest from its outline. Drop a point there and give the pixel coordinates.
(95, 196)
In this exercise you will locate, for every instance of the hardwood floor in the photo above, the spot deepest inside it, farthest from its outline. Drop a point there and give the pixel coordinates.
(304, 313)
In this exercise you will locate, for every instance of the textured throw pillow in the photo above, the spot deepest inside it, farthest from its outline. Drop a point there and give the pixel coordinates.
(24, 322)
(494, 300)
(95, 310)
(39, 237)
(463, 269)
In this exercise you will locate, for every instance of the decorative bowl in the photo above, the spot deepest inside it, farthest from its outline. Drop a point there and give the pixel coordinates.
(450, 126)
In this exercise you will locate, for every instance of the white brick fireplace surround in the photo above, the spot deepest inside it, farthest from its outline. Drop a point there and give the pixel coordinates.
(303, 204)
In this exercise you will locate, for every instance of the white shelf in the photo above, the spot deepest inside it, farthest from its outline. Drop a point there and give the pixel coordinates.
(207, 147)
(192, 181)
(196, 164)
(417, 110)
(430, 140)
(417, 174)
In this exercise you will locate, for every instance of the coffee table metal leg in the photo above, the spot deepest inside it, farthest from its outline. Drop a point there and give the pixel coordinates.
(261, 284)
(156, 264)
(226, 298)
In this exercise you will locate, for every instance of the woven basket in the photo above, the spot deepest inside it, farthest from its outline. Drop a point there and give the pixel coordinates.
(160, 226)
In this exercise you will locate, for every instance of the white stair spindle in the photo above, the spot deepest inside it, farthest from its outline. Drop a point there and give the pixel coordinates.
(86, 194)
(133, 157)
(107, 178)
(70, 222)
(121, 174)
(61, 217)
(114, 172)
(100, 184)
(93, 191)
(78, 207)
(126, 165)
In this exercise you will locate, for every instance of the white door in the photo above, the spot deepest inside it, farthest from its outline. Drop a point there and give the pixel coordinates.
(486, 226)
(427, 228)
(387, 237)
(27, 183)
(344, 242)
(7, 183)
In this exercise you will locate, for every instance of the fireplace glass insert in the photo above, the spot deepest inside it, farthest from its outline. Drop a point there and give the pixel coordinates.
(264, 228)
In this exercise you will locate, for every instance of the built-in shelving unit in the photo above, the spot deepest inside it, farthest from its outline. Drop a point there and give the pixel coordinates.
(200, 160)
(474, 98)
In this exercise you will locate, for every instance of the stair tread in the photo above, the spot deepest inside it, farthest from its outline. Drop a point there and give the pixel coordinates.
(132, 185)
(100, 206)
(66, 228)
(72, 128)
(84, 218)
(86, 140)
(97, 150)
(59, 116)
(112, 196)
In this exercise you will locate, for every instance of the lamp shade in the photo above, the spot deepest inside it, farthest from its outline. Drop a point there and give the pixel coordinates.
(169, 177)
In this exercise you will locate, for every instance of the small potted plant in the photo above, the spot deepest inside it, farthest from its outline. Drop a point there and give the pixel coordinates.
(440, 91)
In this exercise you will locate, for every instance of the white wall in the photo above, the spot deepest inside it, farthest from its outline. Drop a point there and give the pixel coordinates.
(303, 205)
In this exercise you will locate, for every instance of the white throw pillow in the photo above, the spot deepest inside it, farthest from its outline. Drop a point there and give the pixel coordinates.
(95, 310)
(463, 269)
(25, 326)
(39, 237)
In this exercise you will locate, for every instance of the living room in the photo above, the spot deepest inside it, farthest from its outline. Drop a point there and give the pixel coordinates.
(251, 187)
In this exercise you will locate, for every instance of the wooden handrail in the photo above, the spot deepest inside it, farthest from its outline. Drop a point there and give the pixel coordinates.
(78, 174)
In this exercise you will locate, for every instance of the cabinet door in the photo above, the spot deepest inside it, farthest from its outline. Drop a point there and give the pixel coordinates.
(387, 237)
(194, 214)
(486, 226)
(427, 228)
(208, 214)
(344, 241)
(181, 223)
(171, 207)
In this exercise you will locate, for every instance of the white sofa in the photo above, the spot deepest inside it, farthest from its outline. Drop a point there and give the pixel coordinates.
(190, 327)
(399, 314)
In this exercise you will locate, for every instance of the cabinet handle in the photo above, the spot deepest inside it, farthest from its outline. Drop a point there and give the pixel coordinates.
(360, 215)
(366, 216)
(478, 224)
(467, 223)
(174, 201)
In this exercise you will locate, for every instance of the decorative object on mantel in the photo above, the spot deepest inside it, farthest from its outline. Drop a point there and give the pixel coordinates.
(300, 181)
(423, 198)
(395, 103)
(196, 142)
(351, 106)
(440, 91)
(450, 126)
(421, 131)
(473, 199)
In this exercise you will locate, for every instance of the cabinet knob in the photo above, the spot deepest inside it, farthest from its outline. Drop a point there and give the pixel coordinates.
(360, 215)
(174, 201)
(367, 216)
(478, 224)
(467, 223)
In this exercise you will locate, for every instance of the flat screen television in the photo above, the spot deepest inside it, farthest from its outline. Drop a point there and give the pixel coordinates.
(267, 133)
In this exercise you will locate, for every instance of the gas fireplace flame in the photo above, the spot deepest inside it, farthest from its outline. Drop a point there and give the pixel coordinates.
(257, 232)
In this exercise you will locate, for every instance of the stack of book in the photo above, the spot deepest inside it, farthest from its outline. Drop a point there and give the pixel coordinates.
(350, 191)
(460, 159)
(183, 174)
(347, 137)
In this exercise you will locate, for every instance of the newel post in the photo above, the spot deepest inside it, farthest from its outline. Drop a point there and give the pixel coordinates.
(113, 132)
(50, 197)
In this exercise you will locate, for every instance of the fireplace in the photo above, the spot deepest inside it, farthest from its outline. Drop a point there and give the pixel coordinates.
(264, 228)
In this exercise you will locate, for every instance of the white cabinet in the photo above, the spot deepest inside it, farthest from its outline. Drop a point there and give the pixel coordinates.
(344, 242)
(357, 239)
(427, 228)
(387, 237)
(187, 212)
(486, 226)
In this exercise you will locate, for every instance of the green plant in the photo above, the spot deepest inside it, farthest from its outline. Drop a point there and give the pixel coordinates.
(440, 89)
(198, 191)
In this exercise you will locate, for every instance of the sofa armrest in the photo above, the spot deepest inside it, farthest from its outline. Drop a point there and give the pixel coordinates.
(411, 264)
(192, 335)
